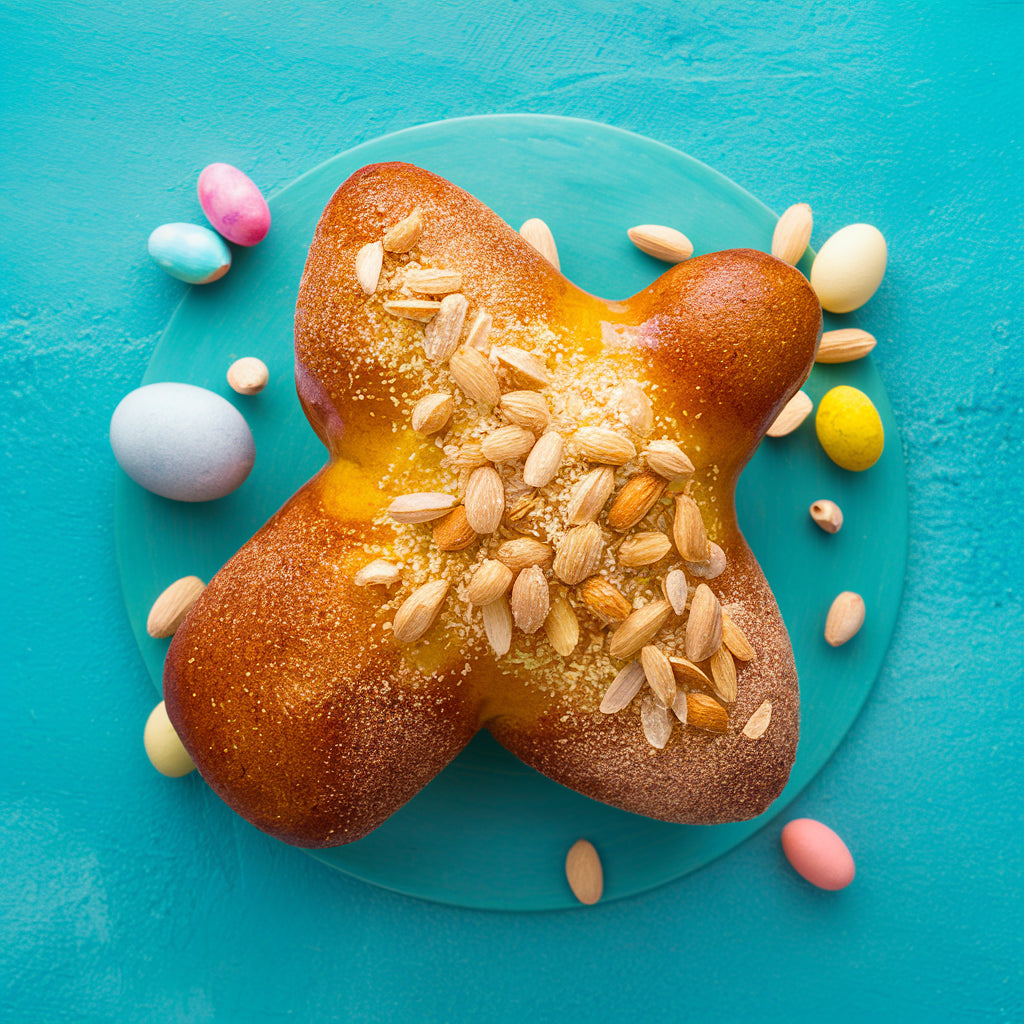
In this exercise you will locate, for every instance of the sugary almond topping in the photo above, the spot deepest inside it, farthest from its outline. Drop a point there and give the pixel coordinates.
(413, 309)
(562, 627)
(590, 495)
(658, 673)
(369, 260)
(676, 590)
(506, 444)
(624, 687)
(688, 531)
(604, 599)
(530, 601)
(473, 374)
(441, 336)
(734, 638)
(404, 235)
(484, 500)
(526, 409)
(656, 722)
(704, 625)
(421, 507)
(479, 333)
(497, 618)
(419, 610)
(433, 281)
(490, 581)
(709, 568)
(379, 572)
(524, 366)
(635, 500)
(634, 408)
(578, 553)
(644, 548)
(432, 413)
(667, 459)
(544, 460)
(638, 629)
(521, 552)
(723, 671)
(600, 444)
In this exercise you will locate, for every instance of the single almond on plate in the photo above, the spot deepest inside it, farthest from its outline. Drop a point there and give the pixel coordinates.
(844, 345)
(578, 553)
(667, 459)
(173, 604)
(600, 444)
(526, 409)
(705, 712)
(562, 627)
(401, 237)
(538, 234)
(676, 590)
(635, 500)
(686, 672)
(634, 407)
(624, 687)
(484, 499)
(544, 460)
(479, 334)
(497, 618)
(521, 552)
(490, 580)
(656, 722)
(704, 625)
(661, 242)
(758, 722)
(453, 532)
(644, 549)
(734, 638)
(369, 260)
(441, 335)
(433, 281)
(794, 412)
(413, 309)
(845, 618)
(723, 671)
(419, 610)
(379, 572)
(473, 374)
(604, 599)
(506, 444)
(688, 531)
(432, 413)
(589, 495)
(827, 514)
(658, 673)
(792, 233)
(530, 601)
(583, 872)
(638, 629)
(524, 365)
(421, 507)
(710, 567)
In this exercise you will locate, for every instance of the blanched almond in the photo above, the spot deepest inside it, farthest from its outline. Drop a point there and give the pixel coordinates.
(792, 233)
(845, 618)
(379, 572)
(723, 671)
(704, 625)
(530, 599)
(419, 610)
(484, 499)
(599, 444)
(432, 413)
(734, 639)
(583, 872)
(431, 281)
(173, 605)
(479, 333)
(473, 374)
(793, 413)
(758, 722)
(490, 580)
(421, 507)
(578, 553)
(421, 310)
(658, 673)
(688, 530)
(369, 260)
(562, 627)
(526, 409)
(497, 618)
(644, 549)
(624, 687)
(638, 629)
(689, 674)
(827, 514)
(634, 407)
(538, 234)
(661, 242)
(710, 567)
(590, 494)
(524, 365)
(656, 722)
(544, 460)
(844, 345)
(507, 444)
(521, 552)
(441, 335)
(401, 237)
(667, 459)
(676, 590)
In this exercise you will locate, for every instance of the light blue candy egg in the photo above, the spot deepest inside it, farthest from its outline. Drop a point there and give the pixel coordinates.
(190, 252)
(182, 441)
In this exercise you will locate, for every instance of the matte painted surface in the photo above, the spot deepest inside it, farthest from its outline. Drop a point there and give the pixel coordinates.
(115, 904)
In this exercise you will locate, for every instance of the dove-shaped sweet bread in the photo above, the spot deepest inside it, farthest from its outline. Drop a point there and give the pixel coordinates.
(525, 524)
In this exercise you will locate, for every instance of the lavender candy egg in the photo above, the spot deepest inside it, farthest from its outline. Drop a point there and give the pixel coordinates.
(182, 442)
(190, 252)
(233, 204)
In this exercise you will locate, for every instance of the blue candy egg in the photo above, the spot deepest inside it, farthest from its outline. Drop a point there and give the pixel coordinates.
(182, 441)
(190, 252)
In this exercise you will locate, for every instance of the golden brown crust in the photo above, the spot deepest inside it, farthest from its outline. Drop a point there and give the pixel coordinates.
(285, 683)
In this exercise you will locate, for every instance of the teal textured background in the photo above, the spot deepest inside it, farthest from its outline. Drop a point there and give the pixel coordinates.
(115, 904)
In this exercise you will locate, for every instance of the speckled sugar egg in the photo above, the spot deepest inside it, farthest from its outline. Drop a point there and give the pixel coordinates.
(233, 204)
(850, 428)
(190, 252)
(818, 854)
(182, 442)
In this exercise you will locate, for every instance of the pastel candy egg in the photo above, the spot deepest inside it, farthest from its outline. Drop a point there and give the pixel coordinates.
(182, 442)
(233, 204)
(818, 854)
(190, 252)
(849, 428)
(849, 268)
(165, 751)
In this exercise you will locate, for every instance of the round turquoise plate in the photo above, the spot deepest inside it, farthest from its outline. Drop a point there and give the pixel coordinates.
(490, 832)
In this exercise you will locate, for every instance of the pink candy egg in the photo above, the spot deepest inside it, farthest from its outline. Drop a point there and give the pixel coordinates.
(817, 853)
(233, 204)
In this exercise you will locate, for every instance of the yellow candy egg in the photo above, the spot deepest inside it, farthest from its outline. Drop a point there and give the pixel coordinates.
(849, 428)
(165, 751)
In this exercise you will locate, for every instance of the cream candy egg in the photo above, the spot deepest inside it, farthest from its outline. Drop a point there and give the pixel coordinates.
(181, 441)
(233, 204)
(849, 268)
(818, 854)
(189, 252)
(165, 751)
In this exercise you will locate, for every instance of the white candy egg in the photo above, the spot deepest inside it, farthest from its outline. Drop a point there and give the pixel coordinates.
(849, 268)
(165, 751)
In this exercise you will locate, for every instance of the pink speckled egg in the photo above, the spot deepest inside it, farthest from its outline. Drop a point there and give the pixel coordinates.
(817, 853)
(233, 204)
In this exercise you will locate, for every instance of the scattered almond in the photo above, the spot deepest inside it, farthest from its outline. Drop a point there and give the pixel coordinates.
(794, 412)
(421, 507)
(431, 414)
(661, 242)
(433, 281)
(634, 407)
(844, 345)
(734, 639)
(604, 599)
(658, 673)
(600, 444)
(638, 629)
(758, 722)
(173, 605)
(538, 234)
(583, 872)
(792, 233)
(590, 494)
(644, 548)
(845, 618)
(484, 500)
(522, 552)
(413, 309)
(723, 671)
(419, 610)
(688, 530)
(369, 260)
(497, 618)
(473, 374)
(526, 409)
(667, 459)
(562, 627)
(635, 500)
(379, 572)
(710, 567)
(404, 235)
(453, 532)
(441, 336)
(705, 712)
(544, 460)
(656, 722)
(479, 333)
(530, 600)
(578, 553)
(507, 444)
(524, 366)
(827, 514)
(704, 625)
(676, 590)
(489, 581)
(625, 686)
